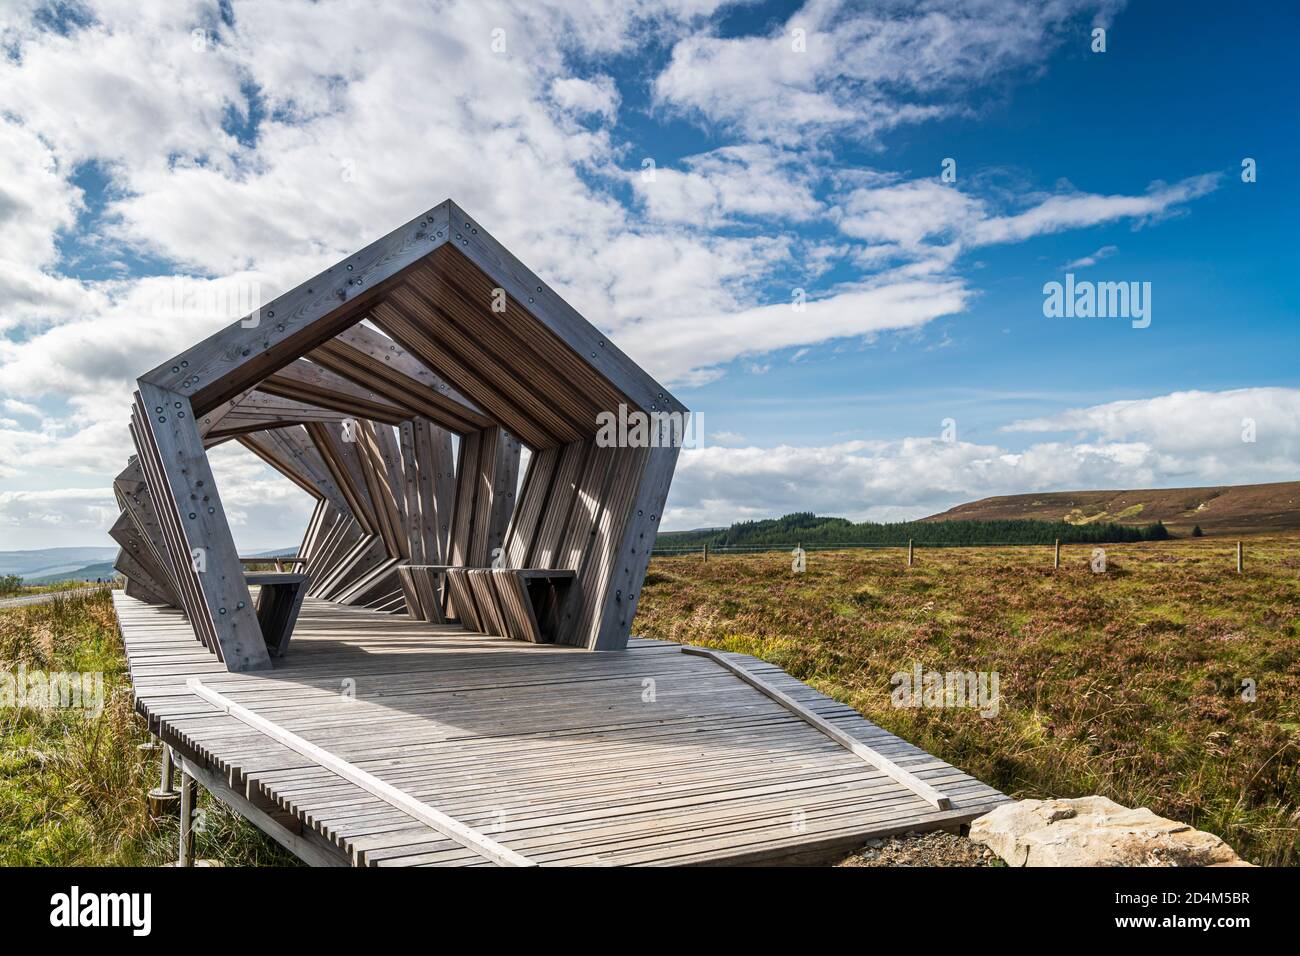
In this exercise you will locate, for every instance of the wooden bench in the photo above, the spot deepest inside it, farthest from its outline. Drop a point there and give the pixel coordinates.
(424, 588)
(279, 599)
(525, 604)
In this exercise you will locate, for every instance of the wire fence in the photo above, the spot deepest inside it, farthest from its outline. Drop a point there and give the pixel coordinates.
(704, 552)
(871, 545)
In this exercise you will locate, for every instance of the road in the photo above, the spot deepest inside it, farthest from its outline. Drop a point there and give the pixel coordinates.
(46, 597)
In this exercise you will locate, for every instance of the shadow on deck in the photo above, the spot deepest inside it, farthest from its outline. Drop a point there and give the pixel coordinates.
(566, 756)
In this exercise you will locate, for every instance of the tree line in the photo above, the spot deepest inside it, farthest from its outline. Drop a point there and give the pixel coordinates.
(809, 529)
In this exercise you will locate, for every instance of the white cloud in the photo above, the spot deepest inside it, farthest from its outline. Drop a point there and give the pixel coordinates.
(1105, 252)
(21, 408)
(862, 69)
(928, 220)
(692, 341)
(66, 516)
(1180, 439)
(730, 182)
(1076, 210)
(1195, 423)
(598, 95)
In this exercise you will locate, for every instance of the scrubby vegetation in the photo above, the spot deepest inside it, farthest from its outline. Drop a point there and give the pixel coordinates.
(810, 530)
(73, 785)
(1127, 683)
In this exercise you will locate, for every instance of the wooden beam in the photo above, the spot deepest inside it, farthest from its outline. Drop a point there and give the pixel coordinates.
(188, 499)
(486, 474)
(629, 528)
(878, 760)
(372, 359)
(137, 561)
(315, 385)
(406, 320)
(430, 816)
(523, 286)
(245, 352)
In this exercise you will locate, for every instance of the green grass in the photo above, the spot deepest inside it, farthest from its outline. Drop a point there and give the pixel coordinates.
(1125, 684)
(73, 785)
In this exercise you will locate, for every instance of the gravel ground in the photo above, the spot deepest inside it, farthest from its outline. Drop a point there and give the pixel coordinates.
(936, 848)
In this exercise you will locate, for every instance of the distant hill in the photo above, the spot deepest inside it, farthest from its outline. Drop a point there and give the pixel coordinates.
(91, 572)
(1225, 509)
(817, 531)
(51, 565)
(52, 561)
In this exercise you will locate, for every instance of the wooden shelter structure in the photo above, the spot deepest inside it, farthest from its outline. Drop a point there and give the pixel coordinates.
(398, 388)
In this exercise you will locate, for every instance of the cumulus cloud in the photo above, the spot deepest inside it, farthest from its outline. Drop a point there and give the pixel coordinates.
(286, 145)
(1211, 425)
(67, 516)
(729, 183)
(1184, 438)
(598, 95)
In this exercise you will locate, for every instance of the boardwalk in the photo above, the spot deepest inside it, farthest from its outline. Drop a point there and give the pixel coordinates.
(563, 756)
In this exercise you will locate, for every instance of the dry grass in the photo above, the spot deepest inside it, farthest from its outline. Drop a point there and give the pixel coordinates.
(1126, 684)
(73, 785)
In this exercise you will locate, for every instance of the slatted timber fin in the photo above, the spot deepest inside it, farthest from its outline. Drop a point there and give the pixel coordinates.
(399, 388)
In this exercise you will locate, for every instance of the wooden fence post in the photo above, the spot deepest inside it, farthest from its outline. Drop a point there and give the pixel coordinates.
(1239, 558)
(706, 552)
(1057, 561)
(909, 552)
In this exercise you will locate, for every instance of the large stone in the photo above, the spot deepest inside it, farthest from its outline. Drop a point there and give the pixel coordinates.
(1095, 831)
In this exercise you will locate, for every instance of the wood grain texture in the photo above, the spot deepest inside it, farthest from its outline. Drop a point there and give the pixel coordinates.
(650, 757)
(398, 389)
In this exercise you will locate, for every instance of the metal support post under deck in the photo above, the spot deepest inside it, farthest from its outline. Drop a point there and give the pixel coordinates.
(189, 797)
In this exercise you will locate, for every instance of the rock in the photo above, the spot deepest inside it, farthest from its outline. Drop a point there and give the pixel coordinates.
(1095, 831)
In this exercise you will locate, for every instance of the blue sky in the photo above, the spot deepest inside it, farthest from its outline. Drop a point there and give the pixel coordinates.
(1172, 97)
(220, 150)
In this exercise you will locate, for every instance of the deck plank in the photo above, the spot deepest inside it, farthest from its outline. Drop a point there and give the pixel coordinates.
(641, 757)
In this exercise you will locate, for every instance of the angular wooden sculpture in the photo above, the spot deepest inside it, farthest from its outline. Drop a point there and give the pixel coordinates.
(461, 348)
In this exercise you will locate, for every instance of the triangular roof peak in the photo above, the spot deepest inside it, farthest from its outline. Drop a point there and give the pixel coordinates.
(444, 290)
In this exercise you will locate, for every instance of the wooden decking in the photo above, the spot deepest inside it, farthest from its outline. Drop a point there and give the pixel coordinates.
(565, 756)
